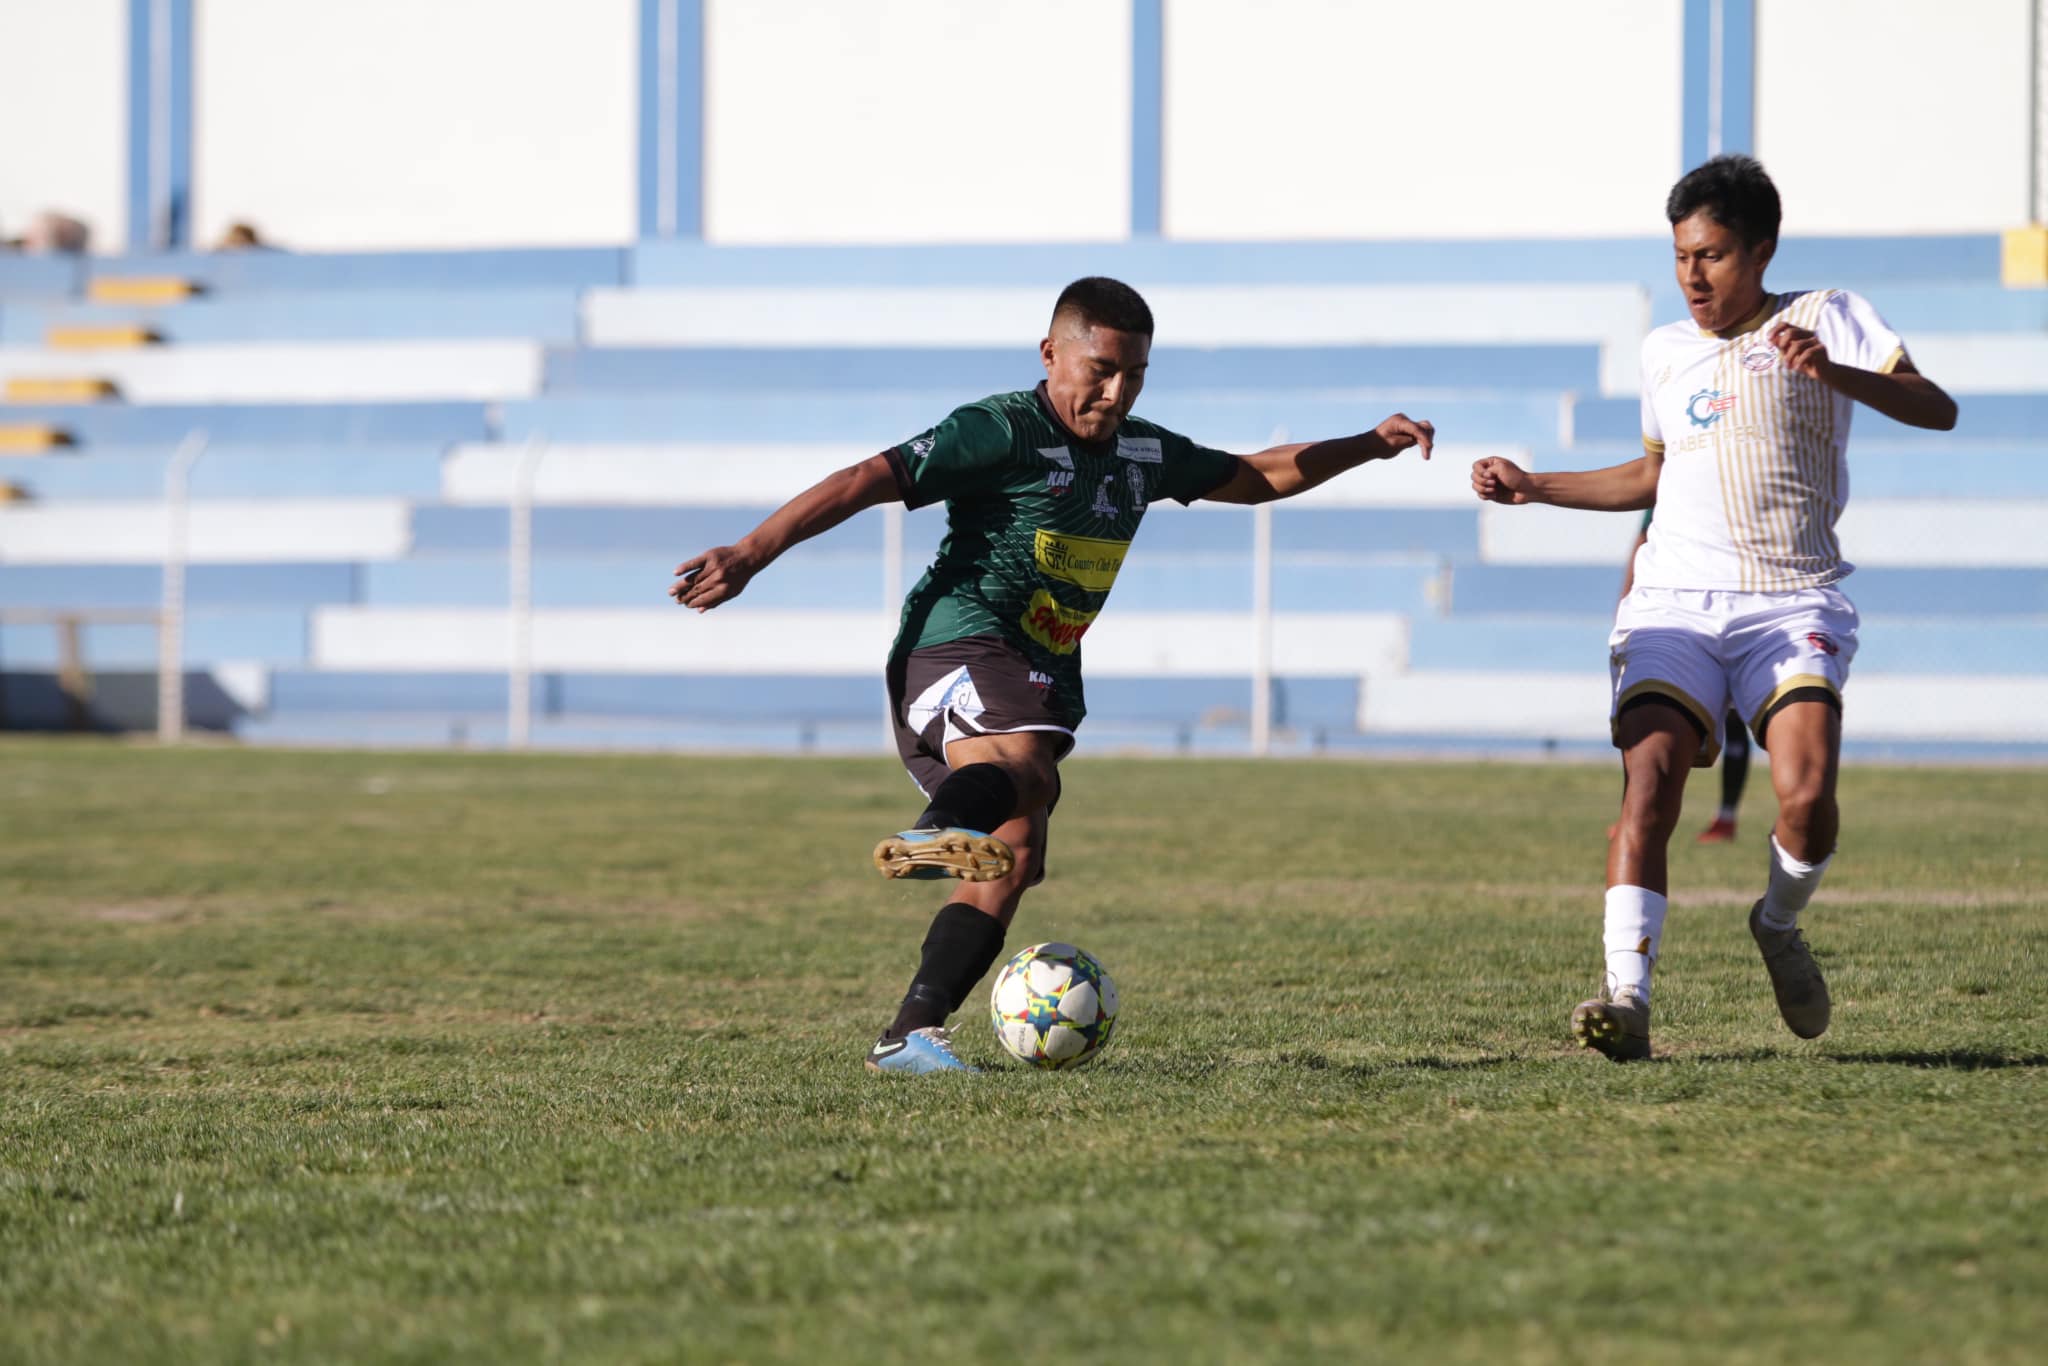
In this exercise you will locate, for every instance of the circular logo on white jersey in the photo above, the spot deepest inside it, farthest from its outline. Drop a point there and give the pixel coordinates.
(1759, 357)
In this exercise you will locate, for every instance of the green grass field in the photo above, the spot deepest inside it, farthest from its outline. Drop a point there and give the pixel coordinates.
(372, 1057)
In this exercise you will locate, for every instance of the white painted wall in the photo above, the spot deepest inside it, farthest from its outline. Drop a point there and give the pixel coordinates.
(64, 114)
(917, 121)
(1457, 118)
(1893, 116)
(395, 123)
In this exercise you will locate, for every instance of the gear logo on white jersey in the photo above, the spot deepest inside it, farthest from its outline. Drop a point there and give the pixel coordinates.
(1706, 407)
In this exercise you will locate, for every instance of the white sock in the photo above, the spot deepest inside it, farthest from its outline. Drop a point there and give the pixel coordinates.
(1635, 927)
(1792, 886)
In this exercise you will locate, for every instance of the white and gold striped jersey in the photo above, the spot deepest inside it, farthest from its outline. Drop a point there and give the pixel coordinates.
(1755, 457)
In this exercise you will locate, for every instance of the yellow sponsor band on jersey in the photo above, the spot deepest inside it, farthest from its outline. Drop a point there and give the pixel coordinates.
(1057, 627)
(1080, 560)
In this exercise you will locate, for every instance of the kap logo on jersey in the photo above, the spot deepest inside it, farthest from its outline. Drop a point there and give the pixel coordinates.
(1061, 479)
(1706, 407)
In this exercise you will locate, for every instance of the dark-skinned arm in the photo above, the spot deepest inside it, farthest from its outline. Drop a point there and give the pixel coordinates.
(1903, 394)
(1618, 488)
(720, 573)
(1283, 471)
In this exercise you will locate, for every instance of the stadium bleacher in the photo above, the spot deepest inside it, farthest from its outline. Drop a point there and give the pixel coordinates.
(365, 415)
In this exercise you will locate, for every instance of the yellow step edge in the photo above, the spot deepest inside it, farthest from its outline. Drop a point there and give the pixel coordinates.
(41, 389)
(100, 338)
(139, 289)
(2024, 261)
(31, 438)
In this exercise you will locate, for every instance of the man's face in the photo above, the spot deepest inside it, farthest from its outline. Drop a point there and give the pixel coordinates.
(1093, 375)
(1722, 278)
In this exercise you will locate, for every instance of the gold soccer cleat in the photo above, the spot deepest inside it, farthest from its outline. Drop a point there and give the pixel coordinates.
(968, 855)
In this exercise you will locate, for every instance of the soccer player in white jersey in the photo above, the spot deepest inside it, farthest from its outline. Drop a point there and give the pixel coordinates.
(1737, 599)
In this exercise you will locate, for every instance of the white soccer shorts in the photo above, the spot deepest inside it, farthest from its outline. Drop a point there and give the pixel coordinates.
(1708, 650)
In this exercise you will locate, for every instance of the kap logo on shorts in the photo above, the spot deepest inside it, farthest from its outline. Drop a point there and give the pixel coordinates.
(1057, 628)
(1706, 406)
(1082, 561)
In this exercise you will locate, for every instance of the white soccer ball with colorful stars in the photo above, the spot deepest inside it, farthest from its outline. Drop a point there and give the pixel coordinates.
(1053, 1006)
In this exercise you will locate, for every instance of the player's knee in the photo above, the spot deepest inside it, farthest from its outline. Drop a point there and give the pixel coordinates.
(1804, 802)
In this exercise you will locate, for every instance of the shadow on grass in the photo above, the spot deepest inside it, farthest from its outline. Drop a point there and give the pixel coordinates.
(1961, 1059)
(1189, 1067)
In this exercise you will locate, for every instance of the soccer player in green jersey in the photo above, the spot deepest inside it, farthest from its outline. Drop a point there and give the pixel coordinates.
(1044, 489)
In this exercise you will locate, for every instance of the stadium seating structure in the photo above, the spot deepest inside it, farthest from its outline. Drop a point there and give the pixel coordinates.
(365, 417)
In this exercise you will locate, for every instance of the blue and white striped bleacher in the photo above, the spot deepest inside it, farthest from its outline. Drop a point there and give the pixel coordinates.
(366, 414)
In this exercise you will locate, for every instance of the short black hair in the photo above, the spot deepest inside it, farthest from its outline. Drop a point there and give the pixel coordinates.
(1103, 302)
(1735, 191)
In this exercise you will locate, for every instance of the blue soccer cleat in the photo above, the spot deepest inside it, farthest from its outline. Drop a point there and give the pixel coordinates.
(968, 855)
(919, 1051)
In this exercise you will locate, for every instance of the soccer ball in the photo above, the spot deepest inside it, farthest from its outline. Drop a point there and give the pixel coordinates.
(1053, 1006)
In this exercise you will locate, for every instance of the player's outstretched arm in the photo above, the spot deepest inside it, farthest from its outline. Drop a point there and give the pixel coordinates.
(1283, 471)
(720, 573)
(1618, 488)
(1903, 394)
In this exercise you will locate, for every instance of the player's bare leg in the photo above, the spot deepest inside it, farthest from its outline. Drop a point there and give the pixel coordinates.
(1658, 745)
(1805, 740)
(965, 939)
(992, 778)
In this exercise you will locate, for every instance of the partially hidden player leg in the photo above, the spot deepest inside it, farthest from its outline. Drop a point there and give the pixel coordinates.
(1734, 775)
(991, 779)
(1659, 741)
(1804, 736)
(963, 943)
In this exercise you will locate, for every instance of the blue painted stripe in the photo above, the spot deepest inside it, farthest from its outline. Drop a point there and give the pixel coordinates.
(1718, 88)
(1149, 263)
(1695, 83)
(159, 124)
(1986, 417)
(1148, 114)
(671, 119)
(1738, 76)
(1231, 421)
(647, 122)
(39, 279)
(265, 271)
(145, 424)
(988, 369)
(1498, 591)
(689, 162)
(550, 316)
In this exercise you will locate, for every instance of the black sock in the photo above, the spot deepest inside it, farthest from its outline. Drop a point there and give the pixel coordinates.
(977, 797)
(961, 945)
(1734, 763)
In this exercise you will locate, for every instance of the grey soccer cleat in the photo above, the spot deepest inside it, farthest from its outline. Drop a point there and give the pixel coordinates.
(1617, 1026)
(968, 855)
(1795, 978)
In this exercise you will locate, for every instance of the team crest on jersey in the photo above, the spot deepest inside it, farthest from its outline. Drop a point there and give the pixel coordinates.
(1103, 506)
(1759, 357)
(920, 447)
(1135, 477)
(1706, 407)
